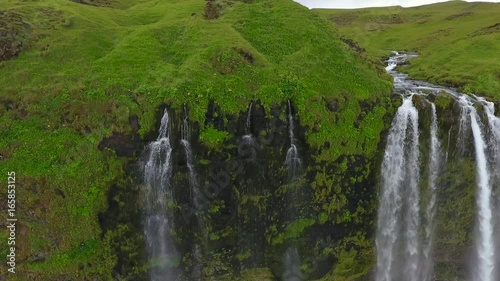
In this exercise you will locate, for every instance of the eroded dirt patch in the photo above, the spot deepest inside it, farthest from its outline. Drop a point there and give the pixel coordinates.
(97, 3)
(11, 28)
(344, 19)
(492, 29)
(459, 15)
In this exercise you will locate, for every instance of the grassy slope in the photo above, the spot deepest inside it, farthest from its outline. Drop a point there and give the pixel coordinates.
(459, 42)
(84, 70)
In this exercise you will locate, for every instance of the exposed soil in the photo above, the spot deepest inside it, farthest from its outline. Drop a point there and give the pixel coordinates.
(492, 29)
(11, 27)
(97, 3)
(459, 15)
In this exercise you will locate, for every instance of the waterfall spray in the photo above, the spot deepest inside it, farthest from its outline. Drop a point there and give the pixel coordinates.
(400, 166)
(157, 174)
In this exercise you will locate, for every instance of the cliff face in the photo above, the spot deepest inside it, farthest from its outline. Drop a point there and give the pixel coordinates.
(251, 211)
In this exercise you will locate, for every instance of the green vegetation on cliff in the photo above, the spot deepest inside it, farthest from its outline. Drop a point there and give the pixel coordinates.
(74, 74)
(458, 42)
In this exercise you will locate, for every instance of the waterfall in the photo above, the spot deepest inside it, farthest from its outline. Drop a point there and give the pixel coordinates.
(484, 243)
(196, 273)
(193, 182)
(484, 264)
(494, 126)
(412, 201)
(249, 119)
(247, 138)
(494, 150)
(464, 125)
(157, 174)
(293, 161)
(292, 265)
(401, 253)
(430, 212)
(399, 172)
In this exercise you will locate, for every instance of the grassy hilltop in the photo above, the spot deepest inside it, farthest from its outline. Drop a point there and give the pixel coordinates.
(458, 42)
(72, 74)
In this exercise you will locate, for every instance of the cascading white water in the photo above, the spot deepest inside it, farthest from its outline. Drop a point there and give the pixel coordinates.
(400, 166)
(494, 152)
(197, 271)
(248, 138)
(249, 119)
(485, 246)
(292, 265)
(293, 161)
(157, 174)
(193, 181)
(291, 259)
(464, 125)
(430, 212)
(412, 197)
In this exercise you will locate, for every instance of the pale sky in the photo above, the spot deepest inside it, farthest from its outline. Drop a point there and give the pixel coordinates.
(348, 4)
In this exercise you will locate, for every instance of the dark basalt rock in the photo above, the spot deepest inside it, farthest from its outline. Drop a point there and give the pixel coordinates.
(123, 145)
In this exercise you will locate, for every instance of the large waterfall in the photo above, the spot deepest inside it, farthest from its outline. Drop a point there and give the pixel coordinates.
(430, 212)
(405, 238)
(399, 190)
(157, 222)
(485, 246)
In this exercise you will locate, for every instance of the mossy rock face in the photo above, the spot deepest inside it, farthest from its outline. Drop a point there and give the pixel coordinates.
(250, 212)
(257, 274)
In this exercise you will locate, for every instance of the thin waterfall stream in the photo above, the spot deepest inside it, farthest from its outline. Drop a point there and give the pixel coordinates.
(293, 164)
(293, 161)
(196, 273)
(248, 138)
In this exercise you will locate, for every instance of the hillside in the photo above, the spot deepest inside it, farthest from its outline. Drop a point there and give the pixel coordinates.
(458, 42)
(81, 87)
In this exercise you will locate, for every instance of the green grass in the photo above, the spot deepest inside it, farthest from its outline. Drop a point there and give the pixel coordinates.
(458, 42)
(84, 70)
